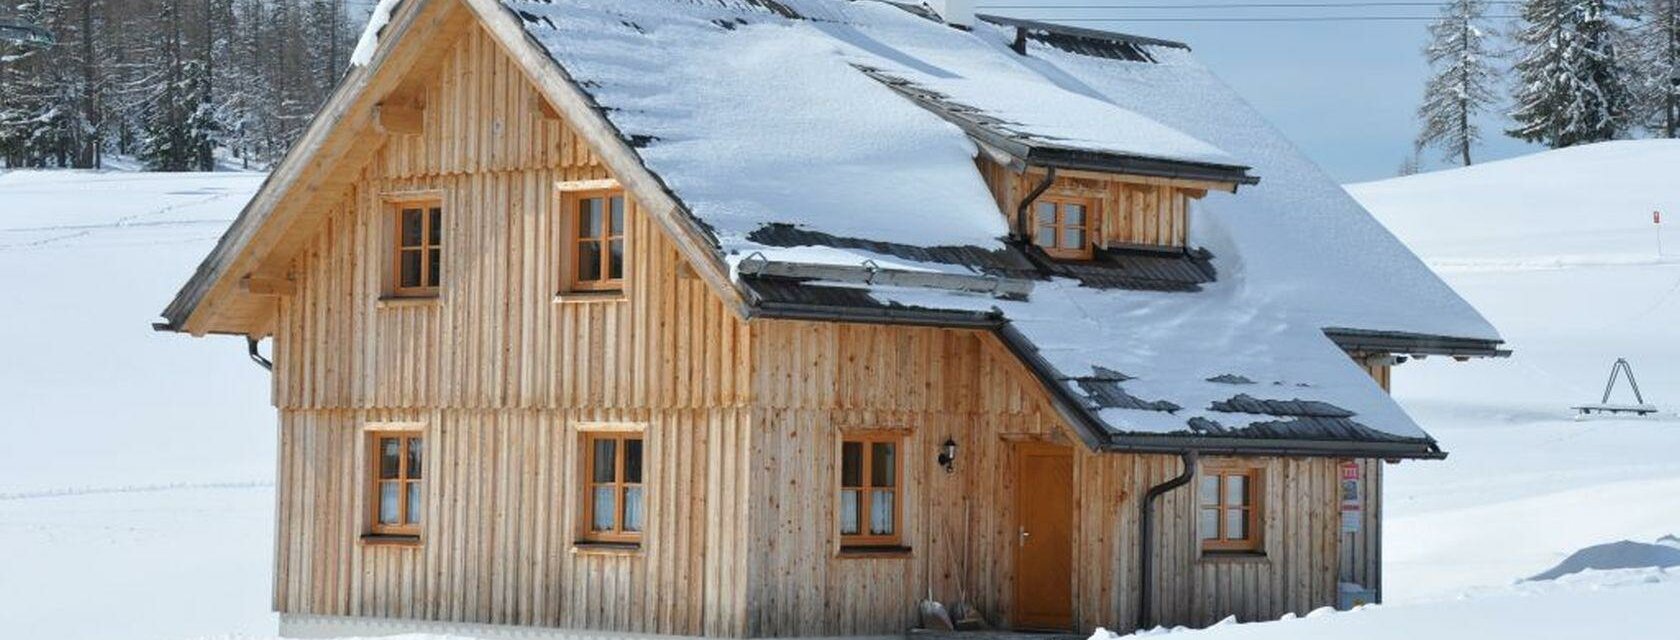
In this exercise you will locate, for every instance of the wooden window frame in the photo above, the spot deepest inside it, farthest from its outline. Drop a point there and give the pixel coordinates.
(571, 238)
(863, 541)
(616, 535)
(1254, 511)
(404, 436)
(1089, 227)
(396, 205)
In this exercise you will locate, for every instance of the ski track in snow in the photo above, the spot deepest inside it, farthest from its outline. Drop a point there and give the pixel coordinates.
(85, 230)
(141, 488)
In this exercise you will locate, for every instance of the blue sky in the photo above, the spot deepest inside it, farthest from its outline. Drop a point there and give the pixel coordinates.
(1345, 92)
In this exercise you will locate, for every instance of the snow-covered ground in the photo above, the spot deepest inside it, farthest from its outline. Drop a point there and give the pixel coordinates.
(137, 467)
(1559, 250)
(135, 490)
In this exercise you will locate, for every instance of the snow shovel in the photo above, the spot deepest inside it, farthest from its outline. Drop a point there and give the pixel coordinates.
(934, 616)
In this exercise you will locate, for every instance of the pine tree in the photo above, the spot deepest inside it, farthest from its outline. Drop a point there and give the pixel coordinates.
(178, 127)
(37, 115)
(1571, 86)
(171, 81)
(1459, 89)
(1656, 54)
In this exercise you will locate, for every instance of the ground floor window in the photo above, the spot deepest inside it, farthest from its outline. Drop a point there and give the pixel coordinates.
(395, 478)
(1230, 509)
(870, 506)
(614, 499)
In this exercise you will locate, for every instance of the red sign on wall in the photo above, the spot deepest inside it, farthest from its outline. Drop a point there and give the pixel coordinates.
(1352, 497)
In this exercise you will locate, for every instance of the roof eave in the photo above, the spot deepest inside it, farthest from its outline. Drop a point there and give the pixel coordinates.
(1086, 160)
(1415, 344)
(1241, 446)
(1045, 154)
(1034, 153)
(899, 315)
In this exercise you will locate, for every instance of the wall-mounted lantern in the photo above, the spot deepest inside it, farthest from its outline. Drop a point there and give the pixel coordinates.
(948, 455)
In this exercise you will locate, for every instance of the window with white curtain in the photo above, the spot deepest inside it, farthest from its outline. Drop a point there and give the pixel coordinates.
(614, 504)
(871, 474)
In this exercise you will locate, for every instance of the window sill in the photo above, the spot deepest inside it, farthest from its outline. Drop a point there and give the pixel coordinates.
(580, 297)
(874, 552)
(390, 540)
(1235, 557)
(397, 302)
(589, 548)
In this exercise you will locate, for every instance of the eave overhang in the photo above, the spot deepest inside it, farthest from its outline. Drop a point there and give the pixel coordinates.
(1414, 344)
(1052, 30)
(1028, 151)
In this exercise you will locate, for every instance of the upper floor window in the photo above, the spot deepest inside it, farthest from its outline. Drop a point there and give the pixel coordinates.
(418, 249)
(613, 504)
(1063, 227)
(1230, 510)
(395, 477)
(870, 505)
(595, 221)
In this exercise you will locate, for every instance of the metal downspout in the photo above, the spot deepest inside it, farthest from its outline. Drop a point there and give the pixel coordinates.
(1026, 203)
(251, 348)
(1146, 533)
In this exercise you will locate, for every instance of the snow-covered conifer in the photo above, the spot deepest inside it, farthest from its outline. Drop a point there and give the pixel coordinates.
(1656, 60)
(1571, 86)
(1460, 84)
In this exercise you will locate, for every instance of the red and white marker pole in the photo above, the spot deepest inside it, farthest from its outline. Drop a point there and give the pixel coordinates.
(1656, 221)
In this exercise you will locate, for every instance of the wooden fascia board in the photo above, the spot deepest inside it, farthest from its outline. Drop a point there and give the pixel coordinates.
(585, 117)
(331, 133)
(1177, 183)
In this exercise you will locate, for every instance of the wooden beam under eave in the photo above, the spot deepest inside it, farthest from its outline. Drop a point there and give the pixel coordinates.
(259, 285)
(399, 119)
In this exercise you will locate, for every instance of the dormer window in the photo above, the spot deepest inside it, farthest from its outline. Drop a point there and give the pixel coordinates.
(1063, 227)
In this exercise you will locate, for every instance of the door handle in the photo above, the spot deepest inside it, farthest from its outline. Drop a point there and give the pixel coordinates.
(1024, 535)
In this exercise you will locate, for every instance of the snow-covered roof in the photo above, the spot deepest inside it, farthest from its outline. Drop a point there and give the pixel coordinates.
(759, 114)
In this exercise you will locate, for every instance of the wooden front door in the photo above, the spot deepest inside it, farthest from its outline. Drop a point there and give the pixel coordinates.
(1043, 537)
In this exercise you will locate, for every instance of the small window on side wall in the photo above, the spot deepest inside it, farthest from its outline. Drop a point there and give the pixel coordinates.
(1229, 510)
(595, 223)
(614, 501)
(417, 249)
(395, 482)
(870, 504)
(1064, 227)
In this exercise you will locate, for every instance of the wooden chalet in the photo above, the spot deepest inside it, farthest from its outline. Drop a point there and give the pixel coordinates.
(761, 318)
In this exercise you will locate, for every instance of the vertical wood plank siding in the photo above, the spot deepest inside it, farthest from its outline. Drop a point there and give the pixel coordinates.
(815, 380)
(501, 373)
(741, 423)
(1133, 213)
